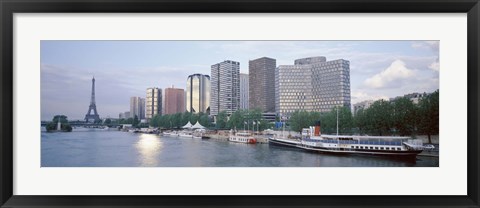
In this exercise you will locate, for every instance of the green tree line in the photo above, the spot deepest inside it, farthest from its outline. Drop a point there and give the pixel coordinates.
(134, 121)
(180, 119)
(398, 117)
(238, 120)
(242, 119)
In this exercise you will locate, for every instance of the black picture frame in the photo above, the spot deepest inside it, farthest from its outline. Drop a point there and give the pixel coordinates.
(10, 7)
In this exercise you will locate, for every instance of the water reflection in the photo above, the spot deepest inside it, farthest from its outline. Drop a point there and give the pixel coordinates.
(149, 147)
(100, 148)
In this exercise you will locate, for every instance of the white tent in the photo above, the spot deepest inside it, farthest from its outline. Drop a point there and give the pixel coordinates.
(198, 126)
(187, 126)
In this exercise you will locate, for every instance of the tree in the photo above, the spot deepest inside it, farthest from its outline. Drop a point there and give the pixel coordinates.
(205, 120)
(345, 120)
(404, 116)
(221, 122)
(237, 119)
(155, 121)
(193, 118)
(359, 121)
(185, 118)
(379, 117)
(62, 118)
(107, 121)
(165, 121)
(299, 120)
(329, 121)
(264, 124)
(135, 121)
(429, 115)
(64, 125)
(255, 114)
(176, 120)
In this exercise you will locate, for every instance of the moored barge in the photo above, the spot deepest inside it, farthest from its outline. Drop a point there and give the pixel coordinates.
(313, 140)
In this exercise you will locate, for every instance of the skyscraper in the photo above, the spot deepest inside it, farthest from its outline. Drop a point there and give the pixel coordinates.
(174, 100)
(312, 84)
(137, 107)
(198, 93)
(153, 102)
(244, 94)
(262, 84)
(225, 87)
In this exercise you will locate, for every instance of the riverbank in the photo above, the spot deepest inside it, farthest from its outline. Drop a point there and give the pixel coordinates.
(223, 135)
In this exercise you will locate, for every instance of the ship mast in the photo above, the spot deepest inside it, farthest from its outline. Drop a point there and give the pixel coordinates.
(337, 120)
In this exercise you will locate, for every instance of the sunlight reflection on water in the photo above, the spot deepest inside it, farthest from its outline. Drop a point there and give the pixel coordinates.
(149, 146)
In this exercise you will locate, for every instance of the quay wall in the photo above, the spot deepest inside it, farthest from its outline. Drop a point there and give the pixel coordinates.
(424, 138)
(218, 137)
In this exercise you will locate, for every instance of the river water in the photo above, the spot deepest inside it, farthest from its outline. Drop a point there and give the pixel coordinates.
(111, 148)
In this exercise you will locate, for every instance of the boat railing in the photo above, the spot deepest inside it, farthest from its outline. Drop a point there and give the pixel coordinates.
(416, 144)
(243, 134)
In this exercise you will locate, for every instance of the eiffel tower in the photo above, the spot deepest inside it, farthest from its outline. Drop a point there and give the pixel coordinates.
(92, 117)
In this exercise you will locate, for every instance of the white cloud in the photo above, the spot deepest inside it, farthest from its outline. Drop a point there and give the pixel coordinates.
(395, 72)
(435, 66)
(432, 45)
(359, 96)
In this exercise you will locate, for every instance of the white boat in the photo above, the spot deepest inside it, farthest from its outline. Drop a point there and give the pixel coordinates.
(242, 137)
(312, 140)
(186, 134)
(171, 133)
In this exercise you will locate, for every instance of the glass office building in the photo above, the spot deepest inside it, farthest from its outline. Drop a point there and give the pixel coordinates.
(198, 93)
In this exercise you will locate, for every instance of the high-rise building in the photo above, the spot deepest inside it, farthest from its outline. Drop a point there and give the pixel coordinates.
(126, 115)
(198, 93)
(137, 107)
(262, 84)
(153, 102)
(312, 84)
(244, 94)
(174, 100)
(225, 87)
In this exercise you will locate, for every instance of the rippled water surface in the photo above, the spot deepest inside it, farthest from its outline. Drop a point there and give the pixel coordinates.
(103, 148)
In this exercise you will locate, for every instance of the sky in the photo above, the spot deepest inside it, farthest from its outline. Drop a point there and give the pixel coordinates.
(122, 69)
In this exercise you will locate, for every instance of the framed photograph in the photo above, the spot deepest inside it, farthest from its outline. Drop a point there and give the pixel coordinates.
(246, 104)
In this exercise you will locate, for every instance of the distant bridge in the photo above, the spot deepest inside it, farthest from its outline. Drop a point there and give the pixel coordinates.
(85, 124)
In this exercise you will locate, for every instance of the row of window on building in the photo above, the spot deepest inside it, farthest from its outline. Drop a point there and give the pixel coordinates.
(228, 90)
